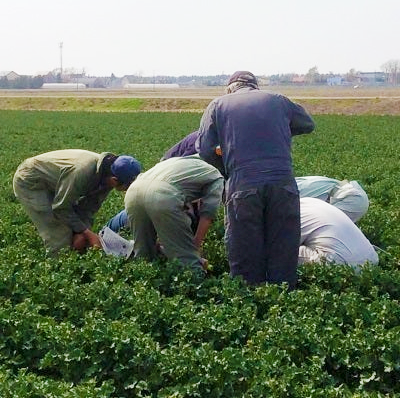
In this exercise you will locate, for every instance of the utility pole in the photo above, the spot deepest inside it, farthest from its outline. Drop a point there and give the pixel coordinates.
(61, 60)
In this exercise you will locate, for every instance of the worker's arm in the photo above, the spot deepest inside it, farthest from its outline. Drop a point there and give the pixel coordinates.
(301, 122)
(207, 138)
(201, 232)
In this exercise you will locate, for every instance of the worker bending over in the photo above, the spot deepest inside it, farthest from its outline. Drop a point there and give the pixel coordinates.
(156, 204)
(328, 234)
(62, 190)
(347, 196)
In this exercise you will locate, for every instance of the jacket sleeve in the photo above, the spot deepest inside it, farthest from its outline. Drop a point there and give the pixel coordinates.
(207, 139)
(211, 198)
(301, 122)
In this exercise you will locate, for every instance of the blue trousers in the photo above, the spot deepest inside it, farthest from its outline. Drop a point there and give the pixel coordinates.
(119, 221)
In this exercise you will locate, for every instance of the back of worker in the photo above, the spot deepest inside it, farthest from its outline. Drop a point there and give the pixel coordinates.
(156, 202)
(326, 232)
(61, 190)
(255, 135)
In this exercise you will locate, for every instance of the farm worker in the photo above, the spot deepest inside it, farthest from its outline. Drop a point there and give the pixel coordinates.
(254, 129)
(187, 146)
(327, 233)
(184, 147)
(62, 190)
(155, 204)
(347, 196)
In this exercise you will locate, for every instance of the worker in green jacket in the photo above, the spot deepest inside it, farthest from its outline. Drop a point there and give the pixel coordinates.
(62, 190)
(156, 206)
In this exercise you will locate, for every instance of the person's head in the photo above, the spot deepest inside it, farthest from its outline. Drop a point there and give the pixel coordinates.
(239, 79)
(121, 171)
(351, 198)
(125, 169)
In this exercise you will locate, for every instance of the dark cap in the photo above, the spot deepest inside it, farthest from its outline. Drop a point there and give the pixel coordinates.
(126, 169)
(244, 77)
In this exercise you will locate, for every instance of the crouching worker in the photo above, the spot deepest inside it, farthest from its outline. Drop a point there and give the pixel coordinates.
(328, 234)
(347, 196)
(156, 207)
(62, 190)
(185, 147)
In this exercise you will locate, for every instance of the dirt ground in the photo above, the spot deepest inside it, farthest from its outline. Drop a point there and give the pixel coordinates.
(317, 100)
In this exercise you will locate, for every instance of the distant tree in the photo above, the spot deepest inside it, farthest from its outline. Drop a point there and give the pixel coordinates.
(286, 78)
(37, 82)
(100, 82)
(312, 76)
(351, 76)
(274, 79)
(23, 82)
(392, 70)
(4, 83)
(20, 83)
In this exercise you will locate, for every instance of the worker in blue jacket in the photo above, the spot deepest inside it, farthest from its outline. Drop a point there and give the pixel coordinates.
(254, 129)
(185, 147)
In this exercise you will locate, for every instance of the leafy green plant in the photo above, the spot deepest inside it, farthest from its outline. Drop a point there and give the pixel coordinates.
(98, 326)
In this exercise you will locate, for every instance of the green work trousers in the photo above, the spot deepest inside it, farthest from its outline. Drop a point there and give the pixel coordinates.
(156, 209)
(37, 204)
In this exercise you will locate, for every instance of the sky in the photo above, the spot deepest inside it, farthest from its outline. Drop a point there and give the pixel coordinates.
(204, 37)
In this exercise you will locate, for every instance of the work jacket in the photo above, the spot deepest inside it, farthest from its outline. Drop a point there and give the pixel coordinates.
(72, 179)
(254, 129)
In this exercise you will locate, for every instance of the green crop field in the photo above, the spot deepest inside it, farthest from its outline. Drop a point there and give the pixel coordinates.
(97, 326)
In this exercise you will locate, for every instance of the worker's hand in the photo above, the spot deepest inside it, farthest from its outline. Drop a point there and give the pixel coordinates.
(79, 242)
(204, 263)
(92, 238)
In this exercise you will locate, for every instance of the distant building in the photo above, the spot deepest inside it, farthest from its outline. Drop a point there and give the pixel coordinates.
(63, 86)
(371, 77)
(299, 79)
(49, 77)
(10, 75)
(334, 80)
(150, 86)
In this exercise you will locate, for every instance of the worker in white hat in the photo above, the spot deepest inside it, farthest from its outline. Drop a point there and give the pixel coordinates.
(347, 196)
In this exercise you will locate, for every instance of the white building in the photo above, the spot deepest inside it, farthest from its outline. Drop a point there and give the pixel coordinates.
(63, 86)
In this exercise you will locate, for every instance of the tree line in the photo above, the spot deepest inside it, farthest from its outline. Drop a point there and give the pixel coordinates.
(389, 75)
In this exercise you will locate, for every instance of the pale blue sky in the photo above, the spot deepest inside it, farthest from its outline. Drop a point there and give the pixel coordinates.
(207, 37)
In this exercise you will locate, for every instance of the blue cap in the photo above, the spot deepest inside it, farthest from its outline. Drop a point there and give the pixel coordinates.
(126, 169)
